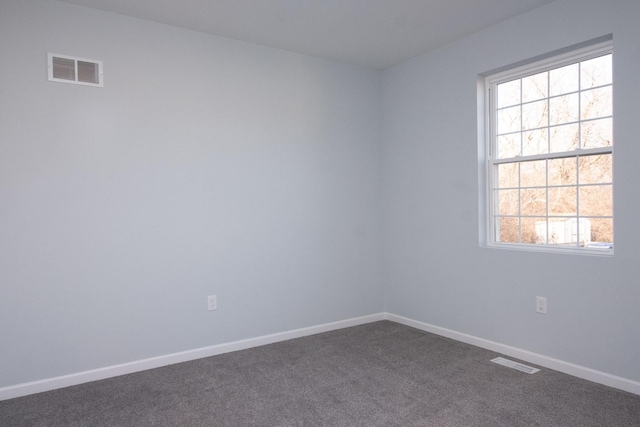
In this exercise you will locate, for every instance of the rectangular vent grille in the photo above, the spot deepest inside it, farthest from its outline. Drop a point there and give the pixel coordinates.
(515, 365)
(69, 69)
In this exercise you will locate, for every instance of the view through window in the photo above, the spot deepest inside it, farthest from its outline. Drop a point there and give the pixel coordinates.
(550, 155)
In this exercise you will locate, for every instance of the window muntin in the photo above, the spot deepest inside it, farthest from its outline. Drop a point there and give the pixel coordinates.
(550, 153)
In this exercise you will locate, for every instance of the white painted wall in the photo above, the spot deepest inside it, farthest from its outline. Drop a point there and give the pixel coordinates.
(435, 270)
(204, 166)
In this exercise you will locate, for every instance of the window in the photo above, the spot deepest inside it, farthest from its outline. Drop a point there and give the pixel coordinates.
(68, 69)
(550, 154)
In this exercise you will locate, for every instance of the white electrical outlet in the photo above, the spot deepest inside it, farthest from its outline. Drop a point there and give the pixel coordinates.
(212, 302)
(541, 305)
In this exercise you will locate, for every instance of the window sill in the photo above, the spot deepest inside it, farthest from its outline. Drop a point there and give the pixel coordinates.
(598, 252)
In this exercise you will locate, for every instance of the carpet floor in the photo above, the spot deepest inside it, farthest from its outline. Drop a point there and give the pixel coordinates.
(378, 374)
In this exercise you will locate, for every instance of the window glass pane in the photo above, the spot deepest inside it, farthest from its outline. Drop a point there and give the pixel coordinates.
(509, 93)
(509, 145)
(535, 142)
(549, 193)
(597, 169)
(533, 174)
(562, 171)
(562, 231)
(564, 138)
(601, 230)
(64, 68)
(595, 200)
(595, 103)
(563, 80)
(534, 231)
(507, 230)
(597, 133)
(508, 202)
(563, 201)
(595, 72)
(564, 109)
(580, 231)
(88, 72)
(533, 201)
(508, 175)
(508, 120)
(541, 225)
(535, 115)
(535, 87)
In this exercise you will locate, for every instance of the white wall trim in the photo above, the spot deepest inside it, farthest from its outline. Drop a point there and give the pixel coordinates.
(589, 374)
(538, 359)
(33, 387)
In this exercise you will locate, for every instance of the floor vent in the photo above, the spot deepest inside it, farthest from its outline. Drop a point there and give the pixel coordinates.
(515, 365)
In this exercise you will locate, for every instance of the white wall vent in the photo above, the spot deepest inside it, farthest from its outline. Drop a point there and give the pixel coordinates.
(69, 69)
(515, 365)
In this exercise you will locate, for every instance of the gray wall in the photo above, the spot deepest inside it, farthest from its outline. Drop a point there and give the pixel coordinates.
(435, 269)
(204, 166)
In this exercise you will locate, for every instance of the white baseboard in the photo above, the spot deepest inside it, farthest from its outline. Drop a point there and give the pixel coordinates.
(185, 356)
(170, 359)
(538, 359)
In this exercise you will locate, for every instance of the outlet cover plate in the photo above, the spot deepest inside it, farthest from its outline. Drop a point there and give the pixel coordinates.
(541, 305)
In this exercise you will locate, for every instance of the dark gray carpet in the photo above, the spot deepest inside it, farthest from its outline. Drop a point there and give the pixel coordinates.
(379, 374)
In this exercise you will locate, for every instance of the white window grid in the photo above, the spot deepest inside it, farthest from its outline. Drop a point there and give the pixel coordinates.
(494, 161)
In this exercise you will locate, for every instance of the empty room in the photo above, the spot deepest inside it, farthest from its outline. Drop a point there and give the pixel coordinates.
(319, 212)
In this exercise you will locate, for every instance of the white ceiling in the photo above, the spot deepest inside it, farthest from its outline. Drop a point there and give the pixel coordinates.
(374, 33)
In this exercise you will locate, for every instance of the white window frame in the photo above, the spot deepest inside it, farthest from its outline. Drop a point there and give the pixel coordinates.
(75, 59)
(488, 206)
